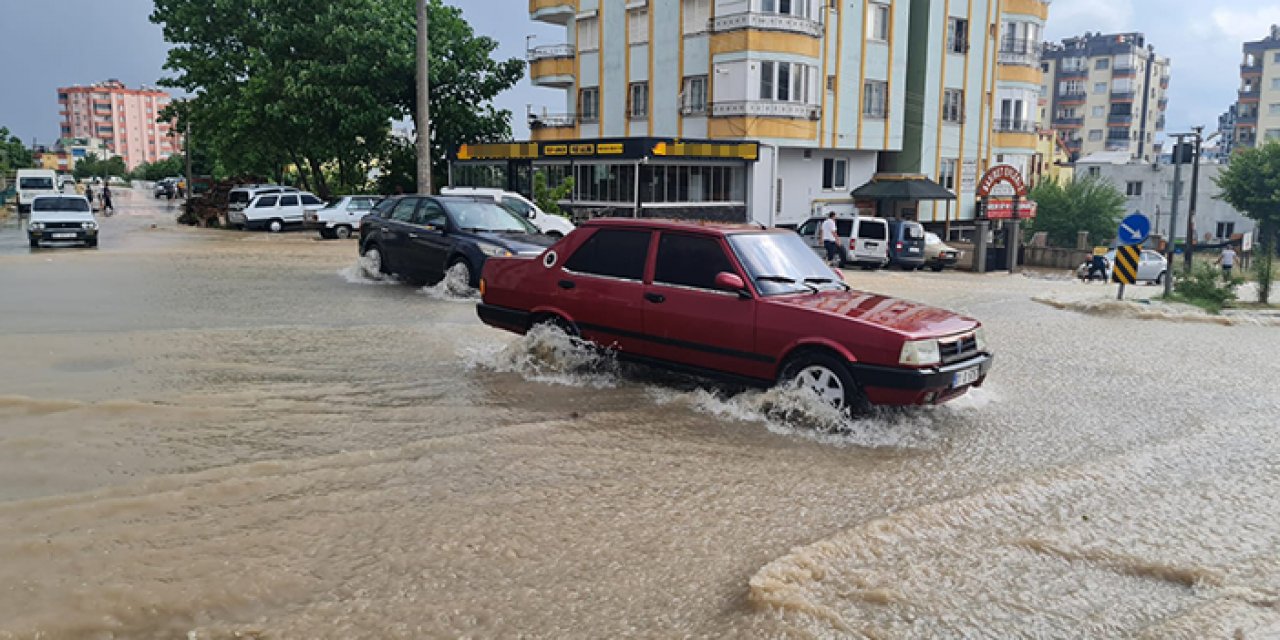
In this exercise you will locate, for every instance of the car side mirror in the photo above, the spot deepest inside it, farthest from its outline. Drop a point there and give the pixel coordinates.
(726, 281)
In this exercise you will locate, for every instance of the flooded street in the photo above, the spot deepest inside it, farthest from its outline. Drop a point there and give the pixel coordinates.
(212, 434)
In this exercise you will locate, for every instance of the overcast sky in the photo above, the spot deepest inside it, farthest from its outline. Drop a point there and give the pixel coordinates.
(51, 43)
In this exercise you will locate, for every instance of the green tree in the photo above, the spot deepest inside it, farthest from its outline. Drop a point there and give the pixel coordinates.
(548, 198)
(1085, 204)
(91, 166)
(152, 171)
(1251, 184)
(13, 154)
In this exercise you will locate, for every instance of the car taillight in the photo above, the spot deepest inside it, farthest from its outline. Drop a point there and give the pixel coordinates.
(898, 246)
(853, 243)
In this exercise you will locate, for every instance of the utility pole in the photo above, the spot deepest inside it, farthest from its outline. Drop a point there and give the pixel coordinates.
(1191, 205)
(186, 147)
(1173, 213)
(424, 104)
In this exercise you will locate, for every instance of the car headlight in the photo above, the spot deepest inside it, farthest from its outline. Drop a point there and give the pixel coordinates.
(920, 353)
(980, 338)
(88, 225)
(493, 250)
(36, 226)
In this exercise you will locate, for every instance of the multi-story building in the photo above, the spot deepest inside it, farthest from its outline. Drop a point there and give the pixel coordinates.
(123, 118)
(68, 152)
(835, 93)
(1106, 92)
(1258, 103)
(1227, 132)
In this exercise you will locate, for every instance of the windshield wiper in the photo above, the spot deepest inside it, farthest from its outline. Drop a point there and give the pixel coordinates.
(787, 280)
(825, 280)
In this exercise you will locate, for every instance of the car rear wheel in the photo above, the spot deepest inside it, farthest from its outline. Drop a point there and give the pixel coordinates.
(342, 232)
(1160, 278)
(553, 320)
(465, 275)
(275, 226)
(829, 379)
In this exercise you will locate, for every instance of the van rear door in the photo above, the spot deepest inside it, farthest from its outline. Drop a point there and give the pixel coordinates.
(873, 240)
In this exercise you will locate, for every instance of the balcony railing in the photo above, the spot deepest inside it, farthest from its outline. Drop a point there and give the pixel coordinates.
(1073, 96)
(1068, 122)
(767, 108)
(548, 120)
(1019, 51)
(768, 22)
(1119, 121)
(1247, 117)
(1248, 92)
(1122, 95)
(1014, 125)
(549, 51)
(1255, 68)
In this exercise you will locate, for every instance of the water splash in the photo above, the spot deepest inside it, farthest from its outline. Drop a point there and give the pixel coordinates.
(363, 272)
(547, 354)
(454, 287)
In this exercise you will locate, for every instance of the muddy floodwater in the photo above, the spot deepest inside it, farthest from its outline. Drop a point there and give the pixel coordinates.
(213, 434)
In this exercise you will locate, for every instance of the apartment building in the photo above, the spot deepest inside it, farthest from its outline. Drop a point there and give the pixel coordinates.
(124, 118)
(832, 94)
(1106, 92)
(1257, 109)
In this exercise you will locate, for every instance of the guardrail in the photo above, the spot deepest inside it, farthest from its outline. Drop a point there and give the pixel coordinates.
(551, 51)
(772, 108)
(767, 21)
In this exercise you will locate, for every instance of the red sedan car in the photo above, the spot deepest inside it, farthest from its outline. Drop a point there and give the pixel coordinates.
(738, 302)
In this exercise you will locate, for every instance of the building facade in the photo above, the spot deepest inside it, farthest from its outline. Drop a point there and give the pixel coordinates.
(1257, 116)
(125, 119)
(834, 93)
(1106, 92)
(68, 152)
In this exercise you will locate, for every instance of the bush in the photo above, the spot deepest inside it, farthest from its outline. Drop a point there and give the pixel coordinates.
(1205, 288)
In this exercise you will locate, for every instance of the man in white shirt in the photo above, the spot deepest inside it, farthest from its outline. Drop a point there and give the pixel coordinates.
(831, 239)
(1227, 260)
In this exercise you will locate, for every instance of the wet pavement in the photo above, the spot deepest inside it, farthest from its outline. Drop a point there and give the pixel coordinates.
(213, 434)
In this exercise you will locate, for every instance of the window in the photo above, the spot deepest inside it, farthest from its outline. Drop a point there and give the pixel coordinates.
(1225, 230)
(1094, 172)
(288, 201)
(1133, 188)
(431, 215)
(689, 261)
(957, 35)
(766, 80)
(1273, 109)
(1102, 63)
(789, 7)
(786, 81)
(694, 96)
(588, 34)
(589, 104)
(1275, 84)
(1068, 87)
(612, 253)
(697, 15)
(947, 174)
(1271, 134)
(1099, 87)
(638, 26)
(404, 210)
(310, 199)
(266, 201)
(878, 22)
(953, 105)
(517, 206)
(834, 173)
(1275, 57)
(875, 99)
(1095, 135)
(638, 99)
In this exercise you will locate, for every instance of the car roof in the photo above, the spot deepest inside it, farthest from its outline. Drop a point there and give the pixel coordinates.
(47, 196)
(663, 224)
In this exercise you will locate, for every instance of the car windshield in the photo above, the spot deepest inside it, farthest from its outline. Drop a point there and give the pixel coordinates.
(471, 215)
(60, 204)
(781, 263)
(932, 238)
(35, 183)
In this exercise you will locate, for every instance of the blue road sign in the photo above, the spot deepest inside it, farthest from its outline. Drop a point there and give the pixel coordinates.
(1134, 229)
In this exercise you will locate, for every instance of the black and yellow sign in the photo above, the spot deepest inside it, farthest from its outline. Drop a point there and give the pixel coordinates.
(555, 150)
(611, 148)
(1125, 270)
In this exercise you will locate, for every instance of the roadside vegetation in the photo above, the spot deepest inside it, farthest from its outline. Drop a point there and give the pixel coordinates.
(1204, 287)
(1085, 204)
(1251, 184)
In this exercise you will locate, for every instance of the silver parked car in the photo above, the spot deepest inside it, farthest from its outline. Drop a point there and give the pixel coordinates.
(1152, 267)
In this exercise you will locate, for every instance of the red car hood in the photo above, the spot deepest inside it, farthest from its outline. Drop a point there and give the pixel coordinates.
(911, 318)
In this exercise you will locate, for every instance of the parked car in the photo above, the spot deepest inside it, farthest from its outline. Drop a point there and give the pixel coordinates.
(552, 225)
(276, 211)
(1152, 267)
(938, 255)
(240, 197)
(753, 305)
(340, 216)
(61, 218)
(33, 183)
(164, 188)
(906, 244)
(422, 237)
(864, 240)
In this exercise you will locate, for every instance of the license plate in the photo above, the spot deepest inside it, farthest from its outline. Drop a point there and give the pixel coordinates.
(914, 250)
(965, 377)
(58, 236)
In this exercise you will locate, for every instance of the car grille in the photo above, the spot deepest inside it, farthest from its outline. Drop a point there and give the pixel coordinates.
(958, 348)
(62, 225)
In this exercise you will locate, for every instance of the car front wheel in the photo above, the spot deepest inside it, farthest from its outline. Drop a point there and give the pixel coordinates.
(1160, 278)
(35, 244)
(342, 232)
(827, 378)
(372, 262)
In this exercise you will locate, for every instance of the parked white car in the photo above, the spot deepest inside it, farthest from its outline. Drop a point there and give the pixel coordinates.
(275, 211)
(33, 183)
(552, 225)
(340, 217)
(61, 218)
(1152, 267)
(864, 240)
(240, 197)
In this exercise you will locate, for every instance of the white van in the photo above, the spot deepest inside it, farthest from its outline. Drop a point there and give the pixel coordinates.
(864, 240)
(239, 198)
(275, 211)
(35, 182)
(554, 226)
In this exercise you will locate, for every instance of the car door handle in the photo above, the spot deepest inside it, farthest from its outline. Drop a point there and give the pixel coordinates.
(656, 298)
(566, 284)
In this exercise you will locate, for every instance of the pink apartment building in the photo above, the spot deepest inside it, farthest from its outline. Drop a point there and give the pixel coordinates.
(124, 118)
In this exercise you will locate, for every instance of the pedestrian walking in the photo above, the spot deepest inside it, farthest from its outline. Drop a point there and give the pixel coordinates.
(1098, 265)
(1228, 260)
(831, 239)
(106, 200)
(88, 193)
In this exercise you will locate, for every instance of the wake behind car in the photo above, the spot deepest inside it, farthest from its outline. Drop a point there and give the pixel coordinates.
(420, 238)
(755, 306)
(62, 218)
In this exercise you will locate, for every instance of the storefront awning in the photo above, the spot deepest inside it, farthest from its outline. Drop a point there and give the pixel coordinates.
(902, 187)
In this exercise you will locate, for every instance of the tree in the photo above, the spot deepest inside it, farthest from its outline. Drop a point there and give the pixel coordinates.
(13, 154)
(548, 198)
(1251, 184)
(1085, 204)
(316, 86)
(91, 166)
(160, 169)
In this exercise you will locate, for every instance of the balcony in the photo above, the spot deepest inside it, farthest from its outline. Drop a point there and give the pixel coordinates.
(1120, 120)
(1254, 69)
(1122, 72)
(767, 22)
(1020, 52)
(553, 11)
(1067, 74)
(552, 120)
(1014, 125)
(1122, 96)
(766, 108)
(552, 65)
(1251, 92)
(1246, 117)
(1073, 96)
(1068, 122)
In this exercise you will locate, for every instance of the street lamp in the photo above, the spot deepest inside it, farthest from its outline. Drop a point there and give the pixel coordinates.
(1191, 208)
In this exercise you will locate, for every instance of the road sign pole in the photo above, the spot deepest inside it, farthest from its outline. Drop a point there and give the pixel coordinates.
(1120, 293)
(1173, 214)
